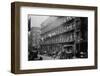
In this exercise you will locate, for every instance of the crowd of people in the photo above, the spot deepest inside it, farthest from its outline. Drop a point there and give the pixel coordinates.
(58, 53)
(33, 54)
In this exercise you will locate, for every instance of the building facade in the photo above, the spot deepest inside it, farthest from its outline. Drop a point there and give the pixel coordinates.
(60, 33)
(34, 38)
(35, 35)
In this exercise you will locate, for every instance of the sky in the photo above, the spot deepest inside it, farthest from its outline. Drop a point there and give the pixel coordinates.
(36, 20)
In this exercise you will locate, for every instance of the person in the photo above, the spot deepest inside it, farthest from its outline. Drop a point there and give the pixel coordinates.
(63, 54)
(41, 58)
(33, 53)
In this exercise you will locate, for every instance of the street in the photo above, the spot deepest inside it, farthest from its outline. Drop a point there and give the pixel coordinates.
(46, 57)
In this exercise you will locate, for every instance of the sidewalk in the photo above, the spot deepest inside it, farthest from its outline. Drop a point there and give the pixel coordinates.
(46, 57)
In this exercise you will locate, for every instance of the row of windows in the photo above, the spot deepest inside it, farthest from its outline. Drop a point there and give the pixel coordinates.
(60, 39)
(60, 30)
(62, 34)
(57, 22)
